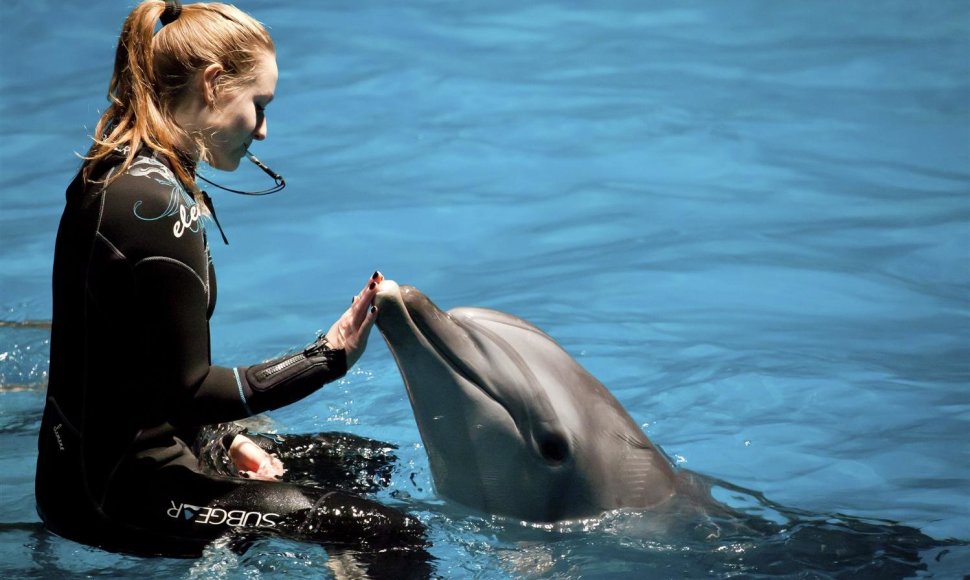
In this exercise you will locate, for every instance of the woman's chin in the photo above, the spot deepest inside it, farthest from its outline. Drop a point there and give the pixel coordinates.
(230, 164)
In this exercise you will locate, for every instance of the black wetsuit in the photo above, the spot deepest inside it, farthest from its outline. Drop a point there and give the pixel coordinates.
(131, 383)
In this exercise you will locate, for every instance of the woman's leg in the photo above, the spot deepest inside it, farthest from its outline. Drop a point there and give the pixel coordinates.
(178, 511)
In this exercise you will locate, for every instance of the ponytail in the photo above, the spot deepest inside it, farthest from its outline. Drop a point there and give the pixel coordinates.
(152, 72)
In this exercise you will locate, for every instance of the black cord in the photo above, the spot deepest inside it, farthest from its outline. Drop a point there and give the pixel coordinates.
(280, 182)
(278, 187)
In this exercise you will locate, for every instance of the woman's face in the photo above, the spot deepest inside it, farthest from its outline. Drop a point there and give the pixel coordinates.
(236, 118)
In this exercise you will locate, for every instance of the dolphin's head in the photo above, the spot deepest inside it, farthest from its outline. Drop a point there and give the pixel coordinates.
(511, 423)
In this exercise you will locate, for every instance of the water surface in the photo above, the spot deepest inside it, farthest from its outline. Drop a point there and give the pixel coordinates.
(750, 220)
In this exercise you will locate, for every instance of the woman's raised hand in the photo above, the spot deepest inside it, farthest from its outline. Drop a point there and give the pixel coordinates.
(352, 328)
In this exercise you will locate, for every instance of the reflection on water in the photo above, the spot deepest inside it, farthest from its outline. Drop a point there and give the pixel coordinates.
(24, 354)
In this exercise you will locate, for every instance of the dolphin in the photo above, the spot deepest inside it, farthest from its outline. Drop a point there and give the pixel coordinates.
(512, 424)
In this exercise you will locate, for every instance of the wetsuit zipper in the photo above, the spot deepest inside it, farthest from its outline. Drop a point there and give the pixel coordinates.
(280, 367)
(313, 350)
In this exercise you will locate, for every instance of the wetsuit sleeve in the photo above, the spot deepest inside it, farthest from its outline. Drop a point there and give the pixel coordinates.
(272, 384)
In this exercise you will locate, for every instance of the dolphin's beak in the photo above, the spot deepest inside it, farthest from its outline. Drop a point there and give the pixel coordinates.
(393, 311)
(393, 319)
(402, 305)
(400, 309)
(407, 317)
(389, 294)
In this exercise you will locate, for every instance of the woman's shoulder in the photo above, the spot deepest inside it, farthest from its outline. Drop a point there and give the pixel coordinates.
(148, 203)
(146, 179)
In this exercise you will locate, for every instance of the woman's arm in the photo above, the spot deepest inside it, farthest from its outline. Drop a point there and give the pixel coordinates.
(153, 225)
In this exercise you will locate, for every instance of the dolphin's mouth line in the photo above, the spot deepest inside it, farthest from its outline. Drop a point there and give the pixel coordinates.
(447, 355)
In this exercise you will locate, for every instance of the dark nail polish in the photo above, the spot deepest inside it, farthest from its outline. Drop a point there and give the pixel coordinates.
(377, 274)
(373, 310)
(373, 285)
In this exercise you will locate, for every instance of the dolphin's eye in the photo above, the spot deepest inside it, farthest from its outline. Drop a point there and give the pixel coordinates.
(553, 448)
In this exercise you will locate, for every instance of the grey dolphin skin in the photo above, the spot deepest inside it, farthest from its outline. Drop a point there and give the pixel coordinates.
(512, 425)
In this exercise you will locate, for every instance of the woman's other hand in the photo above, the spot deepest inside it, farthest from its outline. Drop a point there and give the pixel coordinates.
(253, 461)
(351, 330)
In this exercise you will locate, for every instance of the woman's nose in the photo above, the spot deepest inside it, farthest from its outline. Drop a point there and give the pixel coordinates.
(261, 130)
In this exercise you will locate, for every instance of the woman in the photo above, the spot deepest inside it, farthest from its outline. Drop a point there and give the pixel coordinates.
(131, 382)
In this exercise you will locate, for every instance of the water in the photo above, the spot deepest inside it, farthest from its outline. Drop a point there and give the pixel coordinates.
(749, 220)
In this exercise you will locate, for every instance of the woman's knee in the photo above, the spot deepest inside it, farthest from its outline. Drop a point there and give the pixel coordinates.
(348, 519)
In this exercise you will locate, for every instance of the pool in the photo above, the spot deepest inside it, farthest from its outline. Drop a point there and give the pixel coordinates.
(750, 220)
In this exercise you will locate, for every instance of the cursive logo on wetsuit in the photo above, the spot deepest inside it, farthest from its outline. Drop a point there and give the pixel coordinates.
(180, 204)
(187, 218)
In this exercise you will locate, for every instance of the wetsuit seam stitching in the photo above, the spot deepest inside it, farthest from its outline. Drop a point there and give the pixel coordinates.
(166, 259)
(208, 260)
(111, 246)
(321, 499)
(104, 195)
(242, 395)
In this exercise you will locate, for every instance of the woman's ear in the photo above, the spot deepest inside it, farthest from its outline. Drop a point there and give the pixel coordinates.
(210, 81)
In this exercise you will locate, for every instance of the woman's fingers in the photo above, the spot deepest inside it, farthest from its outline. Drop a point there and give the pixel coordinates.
(351, 330)
(355, 338)
(368, 324)
(253, 461)
(272, 467)
(361, 304)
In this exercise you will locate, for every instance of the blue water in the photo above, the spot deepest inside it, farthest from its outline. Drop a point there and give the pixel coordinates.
(750, 220)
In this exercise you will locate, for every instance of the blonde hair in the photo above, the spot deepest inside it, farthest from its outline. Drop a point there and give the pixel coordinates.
(153, 71)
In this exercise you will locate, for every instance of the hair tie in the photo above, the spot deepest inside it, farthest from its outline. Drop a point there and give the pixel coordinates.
(173, 8)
